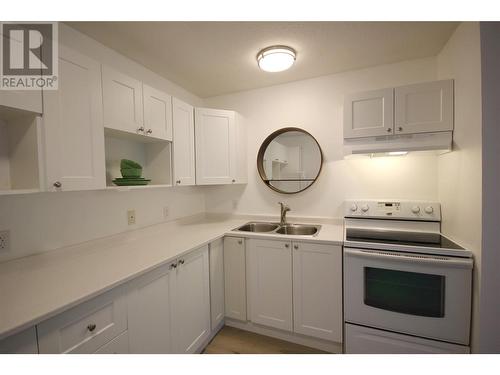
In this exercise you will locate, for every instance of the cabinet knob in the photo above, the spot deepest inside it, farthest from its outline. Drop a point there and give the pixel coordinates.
(287, 246)
(400, 128)
(91, 327)
(240, 242)
(389, 130)
(233, 181)
(149, 131)
(57, 184)
(295, 247)
(173, 265)
(181, 261)
(140, 130)
(178, 182)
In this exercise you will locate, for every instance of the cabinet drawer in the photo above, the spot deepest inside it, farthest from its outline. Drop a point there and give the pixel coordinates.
(117, 346)
(86, 327)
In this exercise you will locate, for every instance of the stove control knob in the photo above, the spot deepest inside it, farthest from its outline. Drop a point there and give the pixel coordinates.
(415, 209)
(429, 210)
(365, 208)
(354, 207)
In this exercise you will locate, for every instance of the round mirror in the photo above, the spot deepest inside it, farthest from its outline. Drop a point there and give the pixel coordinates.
(289, 160)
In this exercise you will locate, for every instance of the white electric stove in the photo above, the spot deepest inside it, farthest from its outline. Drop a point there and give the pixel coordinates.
(407, 288)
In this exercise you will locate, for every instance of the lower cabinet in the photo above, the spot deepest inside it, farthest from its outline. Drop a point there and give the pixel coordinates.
(216, 252)
(270, 283)
(119, 345)
(317, 290)
(235, 285)
(21, 343)
(191, 302)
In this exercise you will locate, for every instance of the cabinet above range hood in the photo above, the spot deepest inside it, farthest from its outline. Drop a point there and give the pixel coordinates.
(417, 117)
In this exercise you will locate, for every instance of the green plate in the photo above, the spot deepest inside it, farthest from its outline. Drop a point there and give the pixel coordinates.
(131, 181)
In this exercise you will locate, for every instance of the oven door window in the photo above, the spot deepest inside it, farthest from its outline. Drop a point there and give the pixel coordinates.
(405, 292)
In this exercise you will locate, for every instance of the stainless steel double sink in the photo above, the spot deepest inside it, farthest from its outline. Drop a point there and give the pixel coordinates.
(276, 228)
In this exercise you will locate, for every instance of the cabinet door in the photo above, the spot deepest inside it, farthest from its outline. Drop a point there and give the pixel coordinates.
(150, 304)
(317, 290)
(235, 278)
(368, 114)
(424, 107)
(74, 133)
(157, 113)
(21, 343)
(215, 146)
(122, 101)
(119, 345)
(270, 282)
(183, 143)
(192, 301)
(216, 282)
(241, 166)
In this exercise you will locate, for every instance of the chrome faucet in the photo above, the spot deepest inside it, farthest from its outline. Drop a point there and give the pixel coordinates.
(284, 210)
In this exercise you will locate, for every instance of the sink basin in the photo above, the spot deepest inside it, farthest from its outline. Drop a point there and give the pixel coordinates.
(298, 229)
(258, 227)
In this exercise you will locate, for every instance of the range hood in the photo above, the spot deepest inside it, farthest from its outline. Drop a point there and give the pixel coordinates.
(440, 141)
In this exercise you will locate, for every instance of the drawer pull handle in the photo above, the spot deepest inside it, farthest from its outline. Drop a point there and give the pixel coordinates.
(296, 247)
(149, 131)
(240, 242)
(181, 261)
(91, 327)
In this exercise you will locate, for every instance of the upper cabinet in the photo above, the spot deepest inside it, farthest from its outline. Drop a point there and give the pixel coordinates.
(74, 134)
(157, 113)
(122, 100)
(183, 146)
(424, 107)
(368, 114)
(220, 147)
(418, 108)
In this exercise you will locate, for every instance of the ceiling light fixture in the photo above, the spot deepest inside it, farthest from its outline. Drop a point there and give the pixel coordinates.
(276, 58)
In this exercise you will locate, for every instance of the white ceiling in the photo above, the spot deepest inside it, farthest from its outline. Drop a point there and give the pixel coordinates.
(214, 58)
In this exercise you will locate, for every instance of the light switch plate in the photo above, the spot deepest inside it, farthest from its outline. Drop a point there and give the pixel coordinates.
(131, 217)
(4, 240)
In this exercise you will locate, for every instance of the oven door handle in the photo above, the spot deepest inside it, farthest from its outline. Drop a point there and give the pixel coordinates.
(466, 263)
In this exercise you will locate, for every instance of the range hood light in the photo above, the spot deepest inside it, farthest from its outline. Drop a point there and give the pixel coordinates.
(397, 153)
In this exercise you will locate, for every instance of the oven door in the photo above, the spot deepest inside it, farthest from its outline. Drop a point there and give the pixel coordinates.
(422, 295)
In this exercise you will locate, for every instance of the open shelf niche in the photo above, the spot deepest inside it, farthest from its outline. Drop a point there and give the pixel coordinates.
(21, 152)
(153, 154)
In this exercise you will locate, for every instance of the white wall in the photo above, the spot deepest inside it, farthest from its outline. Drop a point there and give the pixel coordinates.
(316, 106)
(489, 338)
(46, 221)
(459, 172)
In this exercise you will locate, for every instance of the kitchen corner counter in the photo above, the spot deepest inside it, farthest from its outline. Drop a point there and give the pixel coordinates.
(37, 287)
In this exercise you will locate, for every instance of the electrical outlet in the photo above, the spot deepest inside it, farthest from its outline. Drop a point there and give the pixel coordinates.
(166, 212)
(4, 240)
(131, 217)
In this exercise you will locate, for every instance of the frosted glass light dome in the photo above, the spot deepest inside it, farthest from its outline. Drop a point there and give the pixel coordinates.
(276, 58)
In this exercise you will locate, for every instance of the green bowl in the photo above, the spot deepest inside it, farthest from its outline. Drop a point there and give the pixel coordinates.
(131, 172)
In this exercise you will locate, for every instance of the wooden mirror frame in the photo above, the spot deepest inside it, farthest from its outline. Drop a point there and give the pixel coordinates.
(262, 150)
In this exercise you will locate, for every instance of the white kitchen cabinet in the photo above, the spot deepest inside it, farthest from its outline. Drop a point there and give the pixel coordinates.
(192, 302)
(150, 303)
(183, 146)
(423, 107)
(369, 114)
(119, 345)
(157, 113)
(270, 283)
(215, 134)
(123, 102)
(86, 327)
(74, 134)
(20, 343)
(241, 170)
(216, 282)
(317, 290)
(235, 278)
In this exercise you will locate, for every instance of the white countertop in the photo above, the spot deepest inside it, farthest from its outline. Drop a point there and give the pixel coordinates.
(37, 287)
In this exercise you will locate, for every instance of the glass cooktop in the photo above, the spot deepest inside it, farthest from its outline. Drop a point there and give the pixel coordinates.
(405, 238)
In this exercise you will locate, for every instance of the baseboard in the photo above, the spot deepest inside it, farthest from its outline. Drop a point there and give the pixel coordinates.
(327, 346)
(213, 333)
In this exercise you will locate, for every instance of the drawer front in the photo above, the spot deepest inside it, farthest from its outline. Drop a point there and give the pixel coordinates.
(86, 327)
(119, 345)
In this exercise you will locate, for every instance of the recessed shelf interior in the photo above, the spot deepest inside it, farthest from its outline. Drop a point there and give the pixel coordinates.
(20, 151)
(155, 158)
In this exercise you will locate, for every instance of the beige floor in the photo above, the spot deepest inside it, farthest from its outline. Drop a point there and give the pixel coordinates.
(235, 341)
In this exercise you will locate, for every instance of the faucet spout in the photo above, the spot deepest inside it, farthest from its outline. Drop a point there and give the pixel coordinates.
(284, 210)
